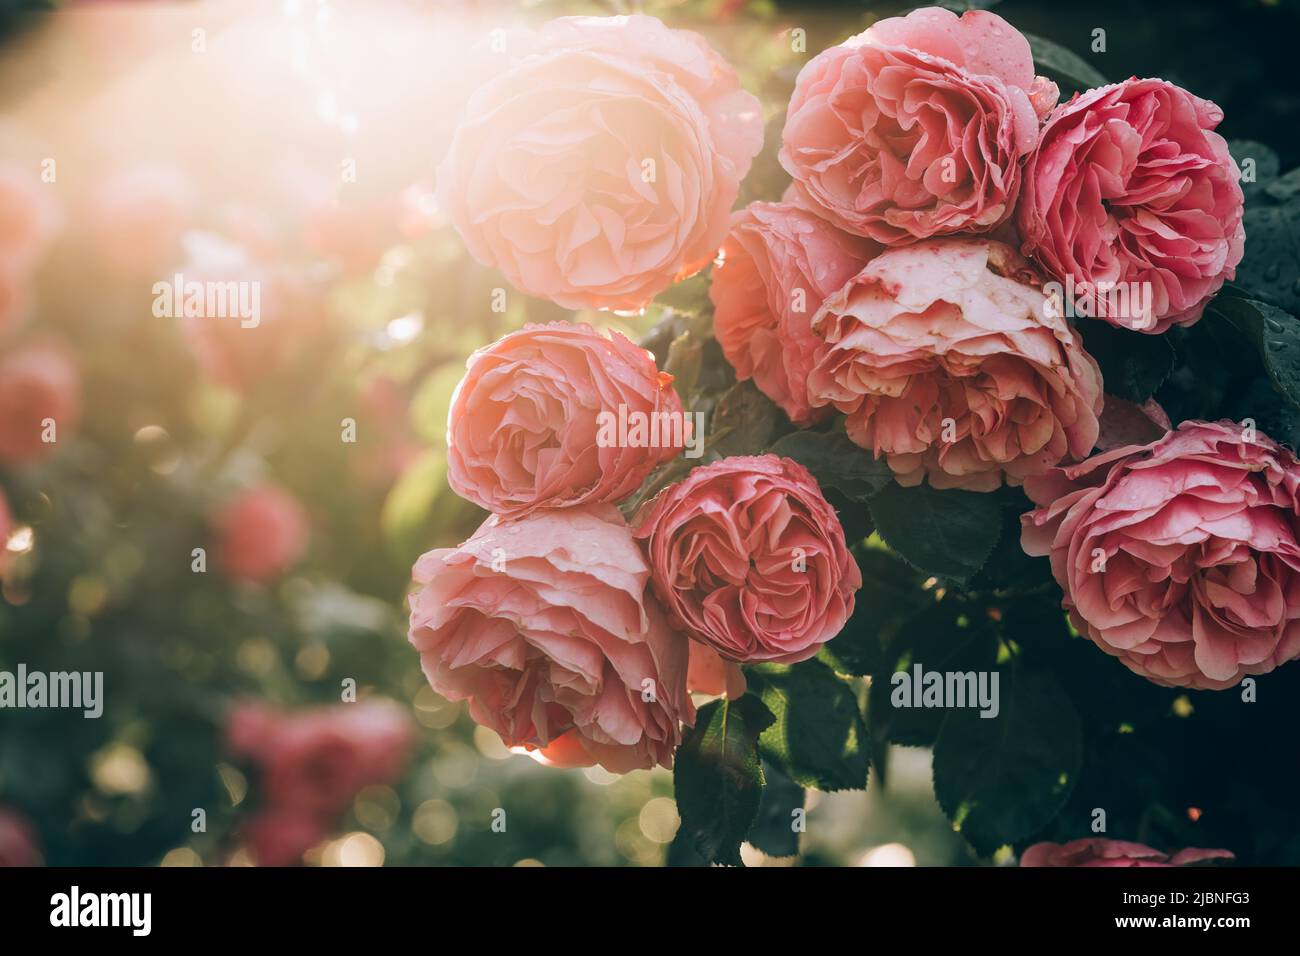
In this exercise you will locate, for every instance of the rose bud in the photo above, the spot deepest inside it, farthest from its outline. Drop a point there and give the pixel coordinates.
(261, 533)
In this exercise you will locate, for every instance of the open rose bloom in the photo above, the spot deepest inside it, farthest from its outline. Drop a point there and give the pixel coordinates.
(750, 559)
(543, 625)
(1179, 557)
(779, 262)
(526, 422)
(1100, 852)
(948, 362)
(600, 165)
(1131, 186)
(917, 127)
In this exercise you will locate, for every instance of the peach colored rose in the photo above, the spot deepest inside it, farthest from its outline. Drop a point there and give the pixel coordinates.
(1130, 185)
(1179, 557)
(749, 558)
(38, 382)
(261, 533)
(313, 762)
(947, 361)
(18, 843)
(917, 127)
(543, 625)
(535, 421)
(29, 218)
(601, 164)
(134, 219)
(1100, 852)
(777, 265)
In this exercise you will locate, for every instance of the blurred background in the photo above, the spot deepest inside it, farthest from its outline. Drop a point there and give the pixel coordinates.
(296, 142)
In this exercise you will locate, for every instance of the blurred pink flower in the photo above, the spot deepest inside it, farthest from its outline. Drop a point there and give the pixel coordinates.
(29, 218)
(261, 533)
(1100, 852)
(18, 843)
(38, 382)
(134, 220)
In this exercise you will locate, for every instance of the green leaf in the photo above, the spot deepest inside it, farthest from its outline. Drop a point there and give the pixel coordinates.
(1071, 72)
(718, 778)
(818, 738)
(773, 831)
(890, 595)
(1004, 778)
(944, 636)
(1275, 333)
(1271, 264)
(946, 533)
(690, 296)
(744, 421)
(432, 401)
(1133, 364)
(836, 462)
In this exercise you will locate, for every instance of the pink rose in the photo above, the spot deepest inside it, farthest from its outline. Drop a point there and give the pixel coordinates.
(29, 218)
(1100, 852)
(279, 837)
(542, 624)
(916, 127)
(538, 419)
(18, 843)
(600, 166)
(1130, 185)
(749, 558)
(261, 533)
(947, 361)
(38, 384)
(315, 761)
(1179, 557)
(14, 297)
(135, 219)
(777, 265)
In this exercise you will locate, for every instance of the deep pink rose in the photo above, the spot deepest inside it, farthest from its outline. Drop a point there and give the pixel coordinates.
(1100, 852)
(600, 165)
(777, 265)
(38, 382)
(315, 761)
(749, 558)
(947, 361)
(535, 421)
(1178, 557)
(18, 843)
(917, 127)
(261, 533)
(1130, 185)
(135, 219)
(543, 625)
